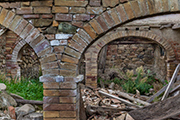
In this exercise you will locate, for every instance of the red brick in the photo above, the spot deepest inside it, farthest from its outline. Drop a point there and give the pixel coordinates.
(31, 16)
(8, 19)
(63, 17)
(20, 27)
(102, 23)
(42, 10)
(47, 16)
(69, 59)
(114, 16)
(108, 19)
(122, 13)
(90, 31)
(57, 107)
(10, 5)
(60, 93)
(71, 3)
(96, 26)
(110, 3)
(59, 9)
(37, 40)
(81, 17)
(24, 10)
(68, 67)
(95, 3)
(26, 30)
(41, 46)
(32, 35)
(78, 23)
(77, 10)
(50, 65)
(42, 3)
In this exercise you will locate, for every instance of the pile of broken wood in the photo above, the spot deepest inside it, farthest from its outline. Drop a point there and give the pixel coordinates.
(105, 104)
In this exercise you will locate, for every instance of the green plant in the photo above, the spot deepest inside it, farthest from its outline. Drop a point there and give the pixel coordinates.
(30, 89)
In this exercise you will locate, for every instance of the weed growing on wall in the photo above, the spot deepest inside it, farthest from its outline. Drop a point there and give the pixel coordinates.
(30, 89)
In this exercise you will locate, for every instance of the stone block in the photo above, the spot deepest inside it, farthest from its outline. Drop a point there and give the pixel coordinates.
(67, 66)
(34, 16)
(42, 10)
(95, 3)
(42, 22)
(66, 28)
(63, 36)
(69, 59)
(81, 17)
(90, 31)
(63, 17)
(42, 3)
(59, 9)
(59, 107)
(46, 79)
(94, 10)
(24, 10)
(59, 49)
(110, 3)
(54, 42)
(77, 10)
(70, 3)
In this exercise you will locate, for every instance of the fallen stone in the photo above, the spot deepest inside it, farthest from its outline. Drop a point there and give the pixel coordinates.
(12, 113)
(24, 110)
(34, 116)
(6, 100)
(2, 86)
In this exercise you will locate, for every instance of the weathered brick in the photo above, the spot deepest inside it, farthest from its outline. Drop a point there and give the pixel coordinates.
(3, 15)
(47, 16)
(63, 36)
(50, 36)
(81, 17)
(110, 3)
(90, 31)
(65, 93)
(77, 10)
(49, 58)
(108, 19)
(8, 19)
(102, 23)
(72, 52)
(75, 45)
(51, 92)
(24, 10)
(63, 42)
(68, 66)
(53, 85)
(151, 6)
(122, 13)
(41, 46)
(50, 65)
(25, 4)
(31, 16)
(45, 52)
(42, 3)
(61, 107)
(114, 16)
(173, 4)
(26, 30)
(71, 3)
(94, 10)
(51, 114)
(54, 42)
(67, 73)
(37, 40)
(42, 10)
(59, 118)
(136, 8)
(20, 26)
(51, 99)
(78, 23)
(10, 4)
(128, 10)
(95, 3)
(165, 5)
(79, 40)
(67, 85)
(69, 59)
(59, 9)
(96, 26)
(66, 114)
(67, 99)
(47, 79)
(144, 8)
(59, 49)
(51, 72)
(84, 35)
(63, 17)
(32, 35)
(15, 22)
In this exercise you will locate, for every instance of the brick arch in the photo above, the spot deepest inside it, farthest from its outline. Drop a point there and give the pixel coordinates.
(116, 16)
(91, 54)
(27, 32)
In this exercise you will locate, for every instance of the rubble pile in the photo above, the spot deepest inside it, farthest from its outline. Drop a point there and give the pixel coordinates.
(11, 109)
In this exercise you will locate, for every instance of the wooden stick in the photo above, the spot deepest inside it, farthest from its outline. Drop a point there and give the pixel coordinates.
(29, 101)
(115, 97)
(125, 95)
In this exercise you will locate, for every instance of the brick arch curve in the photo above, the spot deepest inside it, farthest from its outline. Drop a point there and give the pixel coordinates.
(116, 16)
(27, 32)
(91, 54)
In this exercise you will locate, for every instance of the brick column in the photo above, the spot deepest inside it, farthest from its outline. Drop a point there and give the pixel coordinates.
(61, 97)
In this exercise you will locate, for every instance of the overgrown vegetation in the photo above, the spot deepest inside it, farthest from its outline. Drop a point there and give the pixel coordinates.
(30, 89)
(138, 80)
